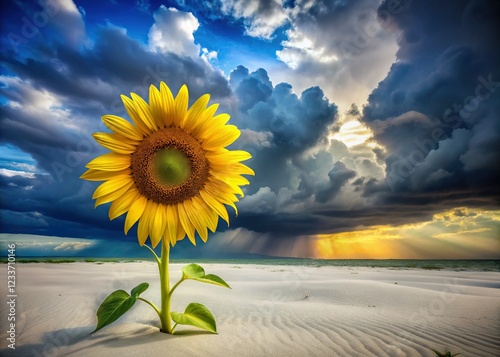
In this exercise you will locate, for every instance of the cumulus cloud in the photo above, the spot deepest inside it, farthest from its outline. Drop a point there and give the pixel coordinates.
(296, 122)
(261, 18)
(278, 123)
(340, 46)
(73, 246)
(173, 32)
(257, 139)
(263, 201)
(11, 173)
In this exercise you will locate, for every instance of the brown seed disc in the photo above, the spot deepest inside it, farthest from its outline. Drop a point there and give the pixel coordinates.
(142, 166)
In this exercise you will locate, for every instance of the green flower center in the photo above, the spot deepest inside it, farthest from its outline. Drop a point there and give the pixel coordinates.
(171, 166)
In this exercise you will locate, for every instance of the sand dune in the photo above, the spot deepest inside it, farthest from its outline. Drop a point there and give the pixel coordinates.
(348, 312)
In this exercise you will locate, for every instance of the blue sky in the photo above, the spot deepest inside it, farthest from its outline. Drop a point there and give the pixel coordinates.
(373, 125)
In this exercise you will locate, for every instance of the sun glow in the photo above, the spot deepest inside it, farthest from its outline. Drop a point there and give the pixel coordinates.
(352, 133)
(460, 233)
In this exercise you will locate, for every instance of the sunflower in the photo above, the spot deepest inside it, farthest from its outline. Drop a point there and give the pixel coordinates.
(169, 170)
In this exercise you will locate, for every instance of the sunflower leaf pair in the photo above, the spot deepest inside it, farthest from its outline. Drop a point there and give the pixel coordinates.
(120, 302)
(196, 314)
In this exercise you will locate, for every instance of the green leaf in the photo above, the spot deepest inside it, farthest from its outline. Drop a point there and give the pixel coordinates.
(213, 279)
(196, 272)
(139, 289)
(196, 315)
(113, 307)
(193, 271)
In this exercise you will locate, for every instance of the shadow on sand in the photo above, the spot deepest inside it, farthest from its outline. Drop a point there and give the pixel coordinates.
(63, 342)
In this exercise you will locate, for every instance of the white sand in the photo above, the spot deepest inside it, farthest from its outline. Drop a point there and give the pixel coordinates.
(349, 312)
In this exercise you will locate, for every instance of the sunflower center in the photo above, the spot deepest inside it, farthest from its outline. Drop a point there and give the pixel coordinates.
(169, 166)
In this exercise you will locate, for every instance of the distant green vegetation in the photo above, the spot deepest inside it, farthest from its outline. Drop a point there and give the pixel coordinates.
(61, 260)
(395, 264)
(89, 260)
(430, 267)
(45, 260)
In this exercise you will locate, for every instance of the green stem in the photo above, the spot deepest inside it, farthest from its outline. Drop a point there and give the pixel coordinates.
(156, 257)
(166, 322)
(175, 286)
(152, 305)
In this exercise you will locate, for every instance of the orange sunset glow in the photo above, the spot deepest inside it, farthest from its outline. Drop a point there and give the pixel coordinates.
(461, 233)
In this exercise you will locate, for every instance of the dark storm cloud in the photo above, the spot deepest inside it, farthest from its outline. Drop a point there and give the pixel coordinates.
(115, 59)
(52, 207)
(294, 123)
(329, 220)
(437, 110)
(436, 114)
(338, 176)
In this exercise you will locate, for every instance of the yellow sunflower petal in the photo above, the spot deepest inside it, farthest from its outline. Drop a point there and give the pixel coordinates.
(227, 157)
(213, 125)
(114, 142)
(196, 217)
(225, 197)
(114, 195)
(186, 223)
(156, 106)
(98, 175)
(222, 138)
(172, 221)
(110, 162)
(122, 204)
(208, 216)
(215, 205)
(204, 121)
(181, 104)
(226, 185)
(135, 212)
(194, 113)
(214, 220)
(242, 169)
(143, 228)
(231, 169)
(134, 115)
(168, 103)
(181, 234)
(144, 111)
(216, 124)
(158, 225)
(122, 127)
(229, 177)
(112, 185)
